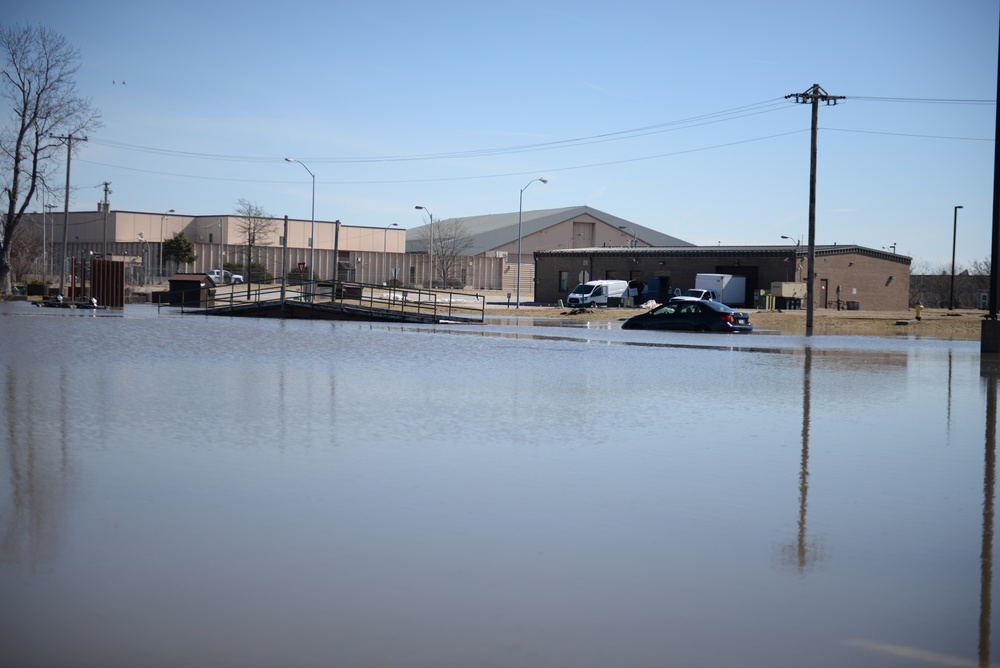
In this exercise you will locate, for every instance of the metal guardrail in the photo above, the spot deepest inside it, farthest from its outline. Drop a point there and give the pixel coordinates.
(356, 299)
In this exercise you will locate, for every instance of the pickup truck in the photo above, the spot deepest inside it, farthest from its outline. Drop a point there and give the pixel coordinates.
(225, 277)
(697, 294)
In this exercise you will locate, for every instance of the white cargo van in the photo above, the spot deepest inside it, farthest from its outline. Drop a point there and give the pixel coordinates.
(597, 293)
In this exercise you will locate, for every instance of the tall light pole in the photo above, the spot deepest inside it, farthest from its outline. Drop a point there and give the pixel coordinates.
(46, 256)
(222, 253)
(626, 227)
(162, 218)
(431, 245)
(954, 239)
(385, 236)
(795, 256)
(520, 206)
(312, 223)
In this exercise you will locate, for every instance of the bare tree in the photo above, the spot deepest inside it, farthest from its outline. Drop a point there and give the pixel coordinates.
(981, 267)
(38, 85)
(929, 284)
(25, 250)
(451, 240)
(255, 226)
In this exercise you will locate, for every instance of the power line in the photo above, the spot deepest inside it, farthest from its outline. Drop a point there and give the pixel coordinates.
(918, 100)
(907, 134)
(735, 113)
(465, 178)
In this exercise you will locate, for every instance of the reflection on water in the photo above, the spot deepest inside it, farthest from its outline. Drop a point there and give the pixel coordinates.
(804, 553)
(990, 369)
(192, 490)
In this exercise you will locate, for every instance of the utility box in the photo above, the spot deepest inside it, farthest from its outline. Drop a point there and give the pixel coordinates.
(786, 289)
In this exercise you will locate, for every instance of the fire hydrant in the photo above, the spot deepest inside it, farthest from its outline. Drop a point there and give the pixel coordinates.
(919, 308)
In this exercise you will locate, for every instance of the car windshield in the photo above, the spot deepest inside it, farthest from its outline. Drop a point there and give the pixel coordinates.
(667, 309)
(582, 289)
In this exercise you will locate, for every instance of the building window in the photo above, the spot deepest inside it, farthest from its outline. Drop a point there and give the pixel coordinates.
(563, 281)
(610, 275)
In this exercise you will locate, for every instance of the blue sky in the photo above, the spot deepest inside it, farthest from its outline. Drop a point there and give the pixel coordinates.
(671, 115)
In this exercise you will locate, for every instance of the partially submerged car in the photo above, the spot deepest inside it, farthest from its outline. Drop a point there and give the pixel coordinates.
(692, 315)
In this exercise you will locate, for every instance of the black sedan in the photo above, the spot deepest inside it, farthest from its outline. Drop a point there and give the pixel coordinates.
(692, 315)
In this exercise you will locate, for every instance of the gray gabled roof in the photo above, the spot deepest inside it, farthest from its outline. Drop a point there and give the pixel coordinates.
(496, 230)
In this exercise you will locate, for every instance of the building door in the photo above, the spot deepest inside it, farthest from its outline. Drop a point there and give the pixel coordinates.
(823, 293)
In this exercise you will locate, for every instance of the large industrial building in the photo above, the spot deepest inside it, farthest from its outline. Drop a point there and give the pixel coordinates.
(558, 249)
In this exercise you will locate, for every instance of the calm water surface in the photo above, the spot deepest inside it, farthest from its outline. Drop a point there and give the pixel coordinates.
(182, 490)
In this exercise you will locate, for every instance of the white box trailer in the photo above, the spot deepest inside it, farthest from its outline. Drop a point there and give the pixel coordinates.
(732, 290)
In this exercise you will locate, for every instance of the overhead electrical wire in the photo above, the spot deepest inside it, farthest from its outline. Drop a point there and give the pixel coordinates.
(918, 100)
(766, 106)
(705, 119)
(487, 176)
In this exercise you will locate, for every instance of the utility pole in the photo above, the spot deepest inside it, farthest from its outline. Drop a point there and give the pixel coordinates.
(69, 154)
(107, 191)
(813, 96)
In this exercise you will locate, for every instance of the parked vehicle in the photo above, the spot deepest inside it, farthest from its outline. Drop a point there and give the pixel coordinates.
(695, 294)
(597, 293)
(731, 290)
(225, 277)
(692, 315)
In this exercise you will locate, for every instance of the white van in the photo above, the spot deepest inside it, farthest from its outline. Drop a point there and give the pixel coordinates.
(597, 293)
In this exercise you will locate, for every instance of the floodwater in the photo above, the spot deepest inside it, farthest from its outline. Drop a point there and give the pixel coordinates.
(190, 490)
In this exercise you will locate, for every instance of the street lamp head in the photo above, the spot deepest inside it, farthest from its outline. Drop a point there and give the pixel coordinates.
(959, 207)
(544, 180)
(290, 160)
(418, 207)
(170, 210)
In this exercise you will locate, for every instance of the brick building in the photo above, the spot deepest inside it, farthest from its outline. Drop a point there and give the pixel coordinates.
(845, 276)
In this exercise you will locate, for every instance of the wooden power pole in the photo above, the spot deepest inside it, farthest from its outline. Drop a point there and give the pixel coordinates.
(813, 96)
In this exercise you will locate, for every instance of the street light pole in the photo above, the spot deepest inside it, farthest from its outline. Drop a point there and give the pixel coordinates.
(312, 223)
(162, 218)
(385, 236)
(52, 241)
(795, 256)
(431, 245)
(626, 227)
(520, 206)
(954, 239)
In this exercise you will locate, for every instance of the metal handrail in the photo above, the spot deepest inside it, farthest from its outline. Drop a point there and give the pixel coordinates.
(376, 298)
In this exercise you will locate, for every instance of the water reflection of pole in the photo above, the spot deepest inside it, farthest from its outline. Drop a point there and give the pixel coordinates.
(949, 393)
(802, 550)
(986, 556)
(802, 554)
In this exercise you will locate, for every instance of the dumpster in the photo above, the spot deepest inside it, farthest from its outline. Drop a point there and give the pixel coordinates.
(853, 306)
(349, 291)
